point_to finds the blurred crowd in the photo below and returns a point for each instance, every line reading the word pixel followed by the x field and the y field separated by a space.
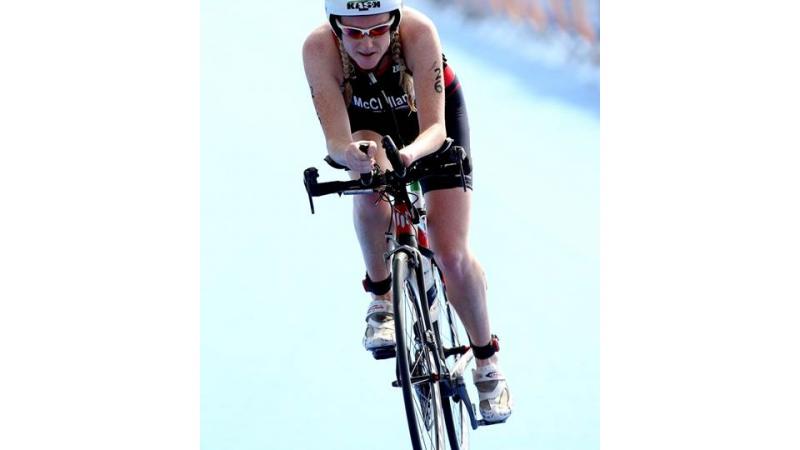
pixel 573 24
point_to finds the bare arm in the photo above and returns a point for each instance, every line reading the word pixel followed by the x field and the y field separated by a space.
pixel 325 90
pixel 423 53
pixel 324 74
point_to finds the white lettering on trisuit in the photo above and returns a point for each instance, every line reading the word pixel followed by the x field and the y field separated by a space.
pixel 396 102
pixel 373 103
pixel 376 104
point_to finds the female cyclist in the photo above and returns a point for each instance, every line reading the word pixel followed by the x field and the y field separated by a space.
pixel 366 47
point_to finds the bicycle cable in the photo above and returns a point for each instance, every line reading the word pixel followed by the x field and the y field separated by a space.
pixel 374 83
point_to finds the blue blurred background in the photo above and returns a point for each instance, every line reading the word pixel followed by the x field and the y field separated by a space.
pixel 282 310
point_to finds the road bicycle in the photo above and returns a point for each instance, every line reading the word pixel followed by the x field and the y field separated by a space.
pixel 431 351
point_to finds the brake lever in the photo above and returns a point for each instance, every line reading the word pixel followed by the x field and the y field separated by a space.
pixel 461 156
pixel 366 178
pixel 393 155
pixel 310 176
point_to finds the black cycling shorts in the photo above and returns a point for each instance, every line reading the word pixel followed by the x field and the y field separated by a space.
pixel 457 124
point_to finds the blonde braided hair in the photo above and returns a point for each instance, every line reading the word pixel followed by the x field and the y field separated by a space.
pixel 349 73
pixel 406 80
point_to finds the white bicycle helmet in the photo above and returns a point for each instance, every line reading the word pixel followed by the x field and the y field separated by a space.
pixel 339 8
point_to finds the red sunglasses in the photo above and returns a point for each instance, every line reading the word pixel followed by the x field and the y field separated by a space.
pixel 360 33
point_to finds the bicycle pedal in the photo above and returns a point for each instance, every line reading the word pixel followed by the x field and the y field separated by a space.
pixel 384 353
pixel 483 422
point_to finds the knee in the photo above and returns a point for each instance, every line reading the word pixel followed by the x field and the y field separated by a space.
pixel 453 261
pixel 368 209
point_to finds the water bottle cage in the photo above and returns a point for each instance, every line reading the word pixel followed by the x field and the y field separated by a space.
pixel 488 350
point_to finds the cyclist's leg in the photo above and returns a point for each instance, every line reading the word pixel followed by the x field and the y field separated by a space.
pixel 448 224
pixel 448 227
pixel 371 218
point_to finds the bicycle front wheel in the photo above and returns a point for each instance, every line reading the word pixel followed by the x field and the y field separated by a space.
pixel 415 361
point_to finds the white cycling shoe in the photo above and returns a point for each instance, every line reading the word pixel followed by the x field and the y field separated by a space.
pixel 379 336
pixel 495 397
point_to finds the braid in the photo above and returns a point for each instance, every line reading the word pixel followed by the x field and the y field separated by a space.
pixel 406 80
pixel 349 73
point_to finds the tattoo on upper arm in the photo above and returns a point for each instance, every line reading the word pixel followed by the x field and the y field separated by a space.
pixel 315 105
pixel 437 84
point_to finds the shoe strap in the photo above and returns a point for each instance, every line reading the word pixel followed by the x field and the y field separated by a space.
pixel 378 308
pixel 488 374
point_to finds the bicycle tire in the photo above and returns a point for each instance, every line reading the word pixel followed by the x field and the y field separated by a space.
pixel 415 360
pixel 451 335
